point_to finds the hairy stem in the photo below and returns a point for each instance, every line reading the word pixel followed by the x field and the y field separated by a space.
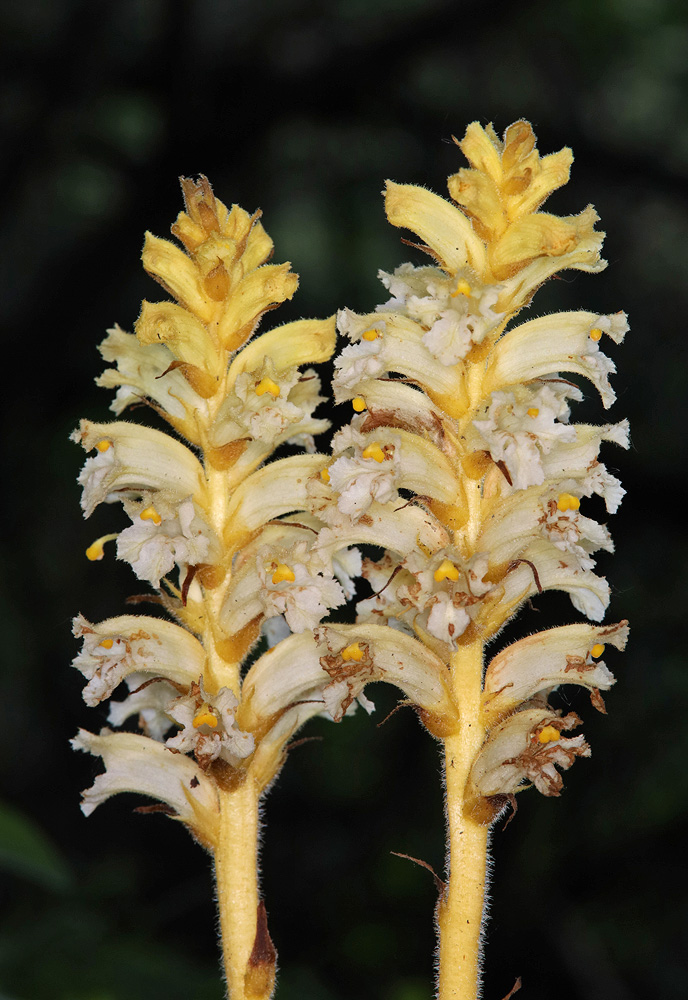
pixel 460 913
pixel 236 879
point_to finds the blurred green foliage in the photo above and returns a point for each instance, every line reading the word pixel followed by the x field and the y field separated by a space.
pixel 304 108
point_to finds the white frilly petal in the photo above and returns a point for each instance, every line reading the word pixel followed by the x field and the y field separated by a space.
pixel 513 754
pixel 134 644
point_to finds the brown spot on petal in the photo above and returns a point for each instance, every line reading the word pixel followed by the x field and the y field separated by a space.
pixel 578 664
pixel 598 701
pixel 159 807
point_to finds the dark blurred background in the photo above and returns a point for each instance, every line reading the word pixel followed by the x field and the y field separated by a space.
pixel 303 108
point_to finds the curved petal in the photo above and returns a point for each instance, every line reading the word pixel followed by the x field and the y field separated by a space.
pixel 438 223
pixel 304 664
pixel 139 372
pixel 306 341
pixel 399 348
pixel 274 490
pixel 547 659
pixel 542 567
pixel 177 274
pixel 117 647
pixel 260 290
pixel 185 336
pixel 139 764
pixel 400 529
pixel 132 458
pixel 560 342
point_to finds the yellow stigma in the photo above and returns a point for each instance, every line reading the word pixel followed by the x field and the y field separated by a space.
pixel 567 501
pixel 374 451
pixel 267 385
pixel 371 334
pixel 358 403
pixel 324 475
pixel 352 652
pixel 446 571
pixel 205 718
pixel 107 643
pixel 150 514
pixel 95 552
pixel 462 288
pixel 597 650
pixel 595 333
pixel 548 735
pixel 283 572
pixel 104 445
pixel 532 411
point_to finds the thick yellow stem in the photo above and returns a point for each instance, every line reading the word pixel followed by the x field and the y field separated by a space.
pixel 236 877
pixel 460 911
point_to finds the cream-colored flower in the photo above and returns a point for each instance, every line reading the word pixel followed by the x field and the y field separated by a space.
pixel 521 425
pixel 527 747
pixel 131 459
pixel 208 726
pixel 165 533
pixel 149 700
pixel 118 647
pixel 291 587
pixel 143 371
pixel 570 654
pixel 440 593
pixel 455 311
pixel 139 764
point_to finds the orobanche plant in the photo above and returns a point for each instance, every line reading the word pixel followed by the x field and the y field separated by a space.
pixel 460 467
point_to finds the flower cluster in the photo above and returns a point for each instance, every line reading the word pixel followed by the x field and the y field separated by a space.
pixel 462 420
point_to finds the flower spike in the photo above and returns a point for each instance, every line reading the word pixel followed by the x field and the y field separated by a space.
pixel 469 413
pixel 201 533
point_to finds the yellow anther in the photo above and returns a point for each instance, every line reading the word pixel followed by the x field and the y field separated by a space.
pixel 95 552
pixel 374 451
pixel 352 652
pixel 325 475
pixel 282 573
pixel 567 501
pixel 533 411
pixel 372 334
pixel 205 718
pixel 446 571
pixel 597 650
pixel 462 288
pixel 267 385
pixel 595 333
pixel 107 643
pixel 104 445
pixel 358 403
pixel 548 735
pixel 150 514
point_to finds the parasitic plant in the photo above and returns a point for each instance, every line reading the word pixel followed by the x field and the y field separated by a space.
pixel 206 533
pixel 460 467
pixel 461 463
